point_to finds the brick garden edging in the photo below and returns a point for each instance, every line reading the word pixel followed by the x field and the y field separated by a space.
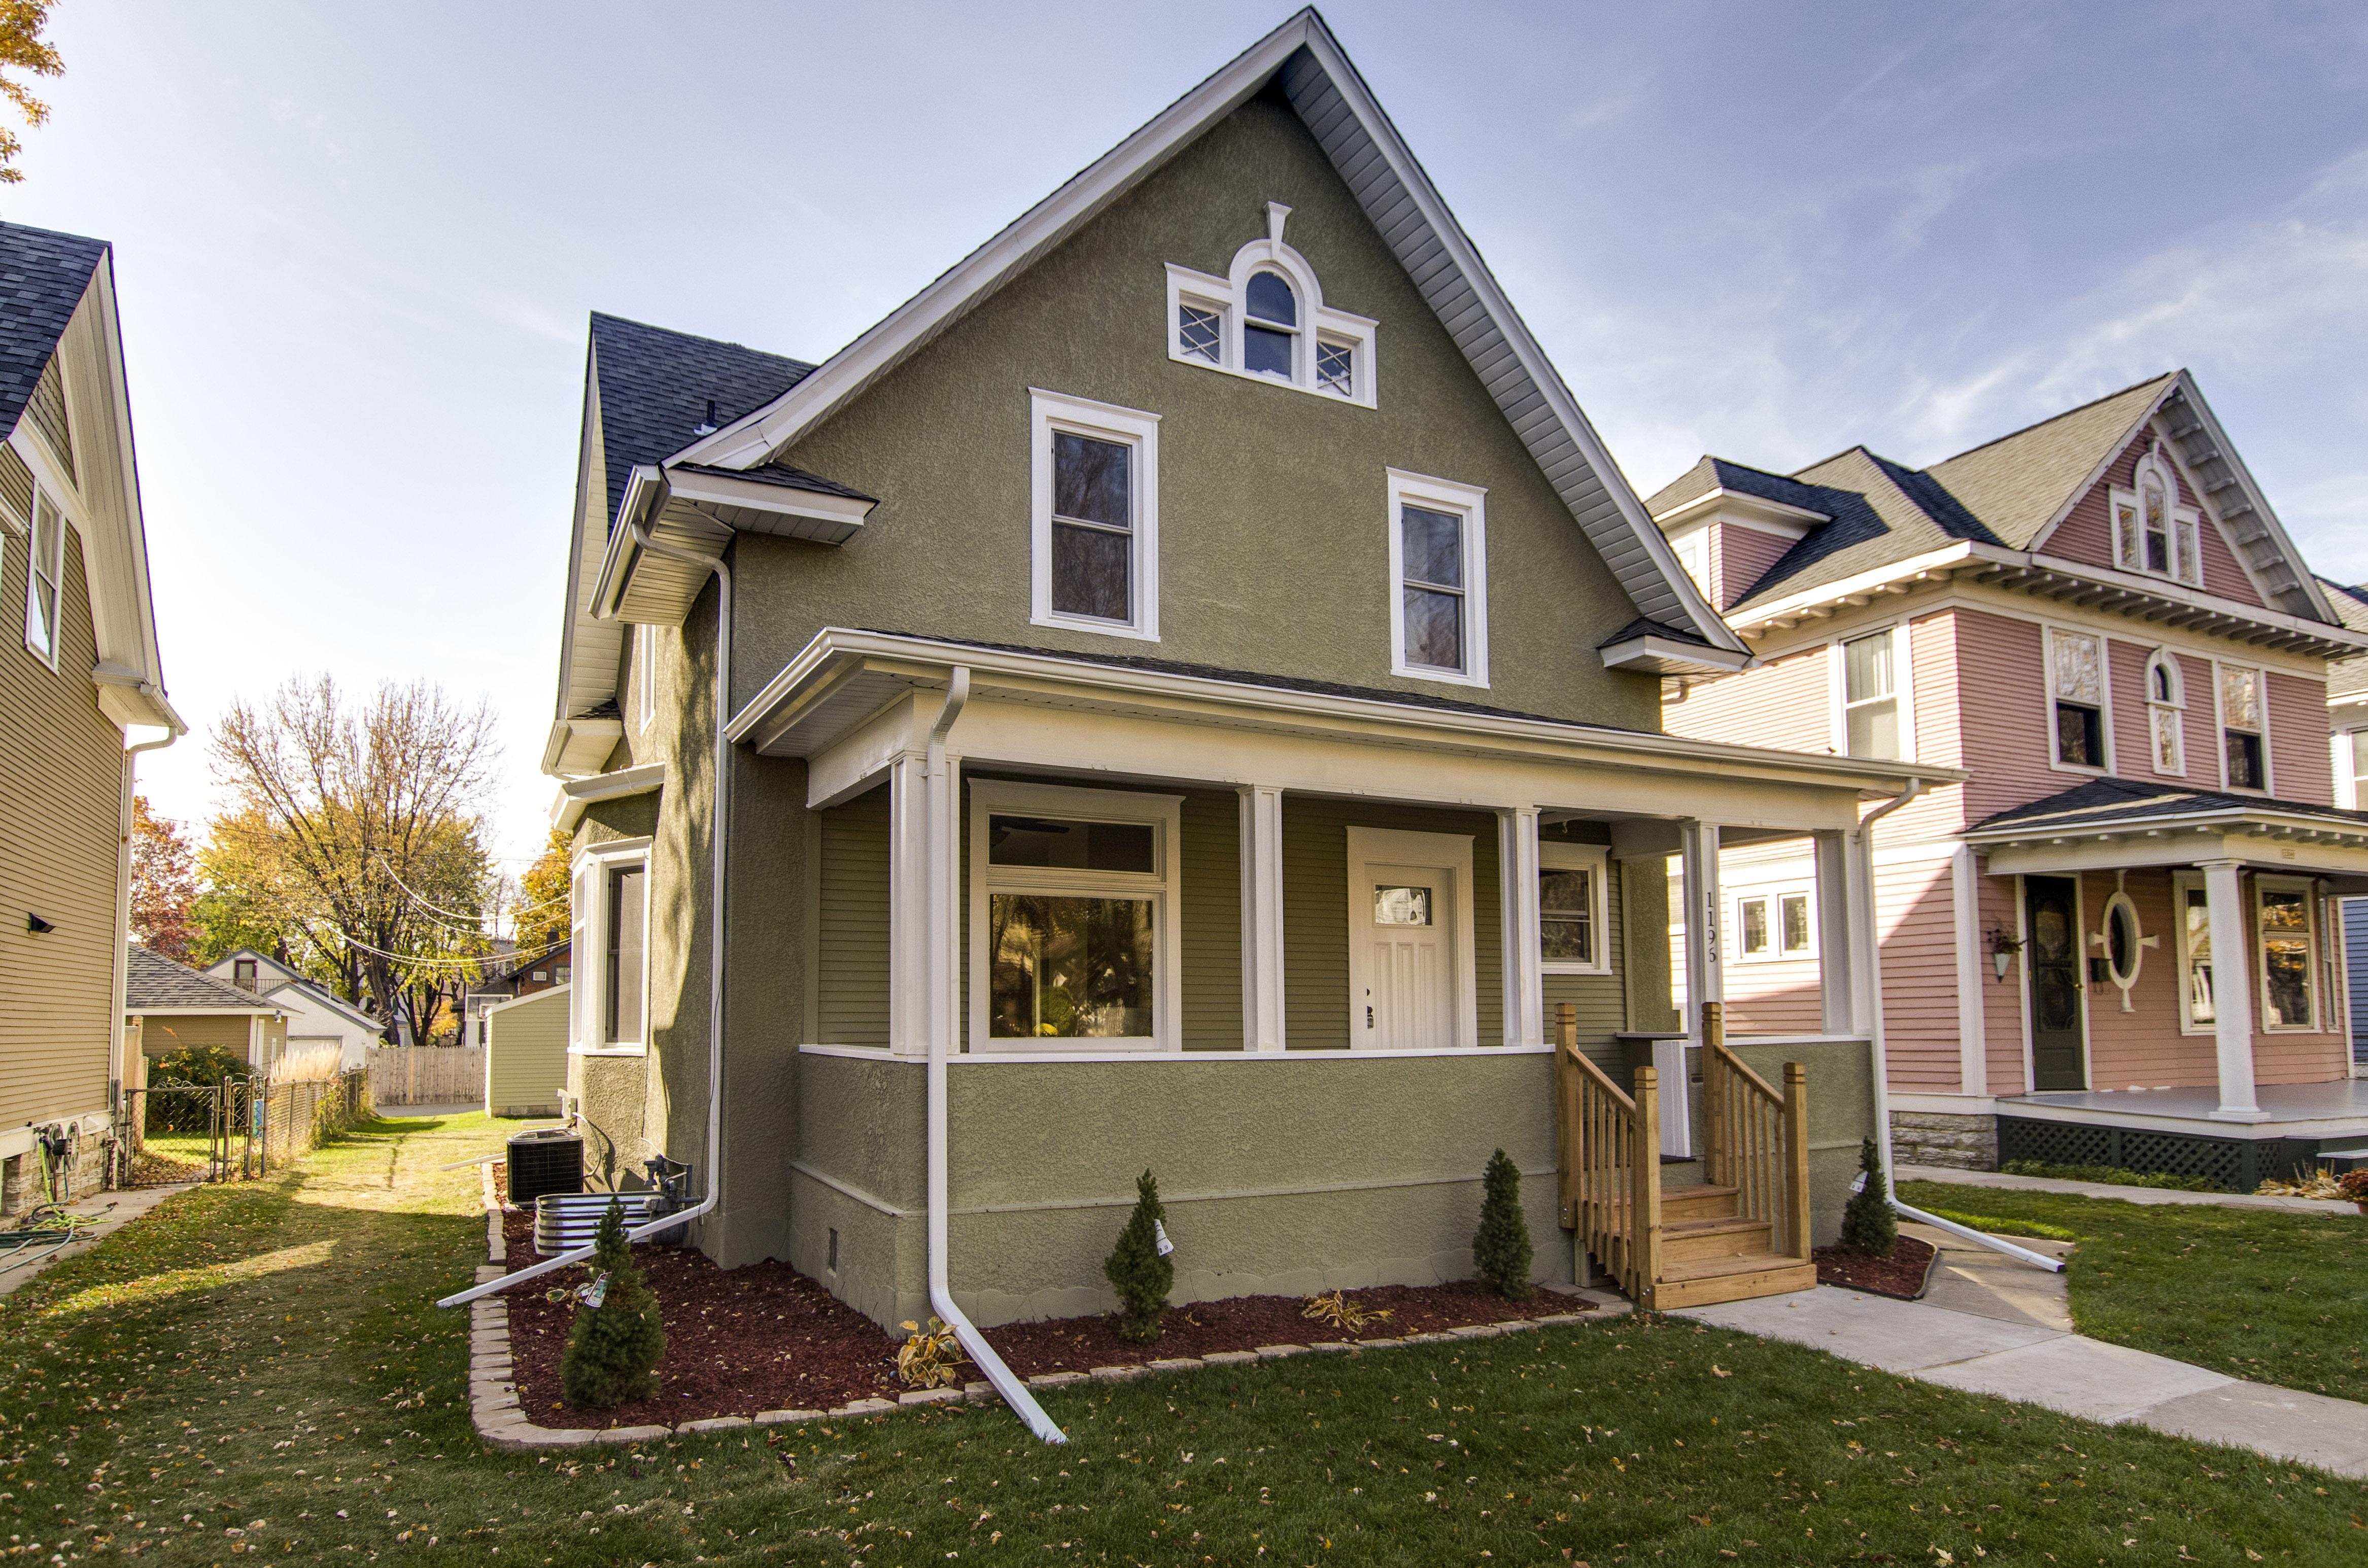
pixel 502 1422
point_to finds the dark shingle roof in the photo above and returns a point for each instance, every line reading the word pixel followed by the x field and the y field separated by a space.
pixel 1645 626
pixel 42 278
pixel 2102 801
pixel 656 385
pixel 152 979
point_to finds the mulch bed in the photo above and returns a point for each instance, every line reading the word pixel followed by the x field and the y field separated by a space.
pixel 766 1338
pixel 1901 1276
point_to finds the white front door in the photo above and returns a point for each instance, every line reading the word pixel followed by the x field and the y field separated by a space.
pixel 1410 973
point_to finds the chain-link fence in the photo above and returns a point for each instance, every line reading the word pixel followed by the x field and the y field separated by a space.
pixel 236 1129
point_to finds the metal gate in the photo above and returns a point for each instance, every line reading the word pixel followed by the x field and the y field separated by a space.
pixel 176 1133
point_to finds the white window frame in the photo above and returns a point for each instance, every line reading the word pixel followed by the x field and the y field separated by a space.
pixel 2126 523
pixel 1595 859
pixel 1774 895
pixel 1227 299
pixel 1469 502
pixel 588 875
pixel 52 574
pixel 2171 711
pixel 2104 703
pixel 1162 886
pixel 1903 684
pixel 1052 410
pixel 2264 881
pixel 2350 765
pixel 2220 726
pixel 1692 551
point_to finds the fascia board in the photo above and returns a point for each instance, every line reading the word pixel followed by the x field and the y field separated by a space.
pixel 757 496
pixel 1667 655
pixel 578 794
pixel 2227 819
pixel 2307 579
pixel 265 1007
pixel 1790 521
pixel 1616 748
pixel 1864 581
pixel 616 564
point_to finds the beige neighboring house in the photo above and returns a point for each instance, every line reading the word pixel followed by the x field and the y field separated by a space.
pixel 526 1053
pixel 169 1006
pixel 83 675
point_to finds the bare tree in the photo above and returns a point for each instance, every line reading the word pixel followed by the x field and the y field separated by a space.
pixel 357 828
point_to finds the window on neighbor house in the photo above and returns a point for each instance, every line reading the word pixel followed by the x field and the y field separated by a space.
pixel 1095 517
pixel 2358 771
pixel 1074 901
pixel 1271 326
pixel 2167 712
pixel 1870 696
pixel 625 916
pixel 1693 555
pixel 2197 1012
pixel 2289 954
pixel 45 570
pixel 1572 908
pixel 2152 532
pixel 2076 690
pixel 1438 557
pixel 1772 925
pixel 242 974
pixel 2244 759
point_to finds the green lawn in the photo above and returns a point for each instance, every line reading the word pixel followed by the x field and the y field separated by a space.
pixel 265 1358
pixel 2278 1297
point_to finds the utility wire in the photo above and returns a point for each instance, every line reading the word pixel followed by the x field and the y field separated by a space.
pixel 455 914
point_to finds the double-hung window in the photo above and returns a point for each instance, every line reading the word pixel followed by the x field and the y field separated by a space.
pixel 2243 733
pixel 1438 578
pixel 2152 532
pixel 2076 689
pixel 2289 942
pixel 1773 925
pixel 1074 940
pixel 2167 712
pixel 1870 690
pixel 1094 534
pixel 1573 938
pixel 610 929
pixel 45 572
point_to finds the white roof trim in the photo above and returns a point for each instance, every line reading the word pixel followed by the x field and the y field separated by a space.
pixel 578 794
pixel 1343 115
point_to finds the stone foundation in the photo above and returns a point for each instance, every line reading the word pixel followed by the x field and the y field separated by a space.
pixel 24 1181
pixel 1935 1138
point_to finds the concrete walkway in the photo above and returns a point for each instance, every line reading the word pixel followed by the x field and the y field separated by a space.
pixel 2332 1206
pixel 102 1214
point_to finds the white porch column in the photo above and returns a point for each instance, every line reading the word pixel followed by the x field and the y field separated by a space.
pixel 908 906
pixel 2232 990
pixel 1517 877
pixel 1835 996
pixel 1262 1018
pixel 1705 981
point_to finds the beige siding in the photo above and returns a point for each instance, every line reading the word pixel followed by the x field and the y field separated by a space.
pixel 16 486
pixel 163 1034
pixel 1786 702
pixel 526 1054
pixel 1316 912
pixel 851 985
pixel 61 773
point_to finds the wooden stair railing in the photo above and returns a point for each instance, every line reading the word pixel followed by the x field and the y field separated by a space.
pixel 1742 1233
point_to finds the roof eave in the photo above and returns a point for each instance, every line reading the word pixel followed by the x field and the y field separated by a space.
pixel 1669 656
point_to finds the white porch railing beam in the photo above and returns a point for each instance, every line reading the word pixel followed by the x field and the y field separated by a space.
pixel 1263 950
pixel 2232 990
pixel 1517 866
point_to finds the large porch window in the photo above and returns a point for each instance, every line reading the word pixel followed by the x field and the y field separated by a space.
pixel 2196 1012
pixel 2289 942
pixel 1074 914
pixel 1571 900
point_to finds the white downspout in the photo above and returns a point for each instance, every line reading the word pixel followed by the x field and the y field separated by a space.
pixel 117 1067
pixel 944 838
pixel 1864 875
pixel 716 842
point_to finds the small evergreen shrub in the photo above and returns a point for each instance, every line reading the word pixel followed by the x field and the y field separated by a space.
pixel 613 1350
pixel 1137 1270
pixel 1869 1225
pixel 1500 1249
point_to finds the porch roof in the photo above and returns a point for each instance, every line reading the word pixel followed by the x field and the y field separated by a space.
pixel 2111 823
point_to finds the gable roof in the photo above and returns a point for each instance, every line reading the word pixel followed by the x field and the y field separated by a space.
pixel 44 275
pixel 152 982
pixel 656 389
pixel 1315 77
pixel 2008 493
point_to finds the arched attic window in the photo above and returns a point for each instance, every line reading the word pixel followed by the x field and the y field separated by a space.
pixel 2167 712
pixel 2152 532
pixel 1267 319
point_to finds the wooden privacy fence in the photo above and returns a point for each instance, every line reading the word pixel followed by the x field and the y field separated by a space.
pixel 427 1075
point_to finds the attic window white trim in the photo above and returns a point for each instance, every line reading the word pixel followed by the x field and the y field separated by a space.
pixel 2153 534
pixel 1201 306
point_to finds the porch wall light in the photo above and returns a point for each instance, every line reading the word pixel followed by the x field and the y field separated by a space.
pixel 2002 951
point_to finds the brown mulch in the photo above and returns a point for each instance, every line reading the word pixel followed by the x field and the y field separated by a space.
pixel 766 1338
pixel 1902 1275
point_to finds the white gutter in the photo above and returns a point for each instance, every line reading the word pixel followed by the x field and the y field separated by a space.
pixel 716 843
pixel 940 806
pixel 1863 873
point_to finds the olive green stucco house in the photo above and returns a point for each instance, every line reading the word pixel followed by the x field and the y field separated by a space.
pixel 1183 692
pixel 81 677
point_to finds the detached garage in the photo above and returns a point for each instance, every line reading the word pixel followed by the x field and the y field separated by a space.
pixel 526 1053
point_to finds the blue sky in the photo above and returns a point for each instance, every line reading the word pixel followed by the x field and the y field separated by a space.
pixel 356 245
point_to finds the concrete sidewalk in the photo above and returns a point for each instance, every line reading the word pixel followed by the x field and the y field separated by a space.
pixel 2035 1361
pixel 2143 1195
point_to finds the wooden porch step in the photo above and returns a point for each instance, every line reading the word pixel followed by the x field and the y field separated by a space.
pixel 1688 1241
pixel 1698 1200
pixel 1701 1282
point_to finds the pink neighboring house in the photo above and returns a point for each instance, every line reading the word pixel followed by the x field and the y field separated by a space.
pixel 2100 619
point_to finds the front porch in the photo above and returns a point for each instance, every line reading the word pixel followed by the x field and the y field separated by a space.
pixel 2179 1131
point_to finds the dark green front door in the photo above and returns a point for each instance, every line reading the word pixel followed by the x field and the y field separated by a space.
pixel 2052 919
